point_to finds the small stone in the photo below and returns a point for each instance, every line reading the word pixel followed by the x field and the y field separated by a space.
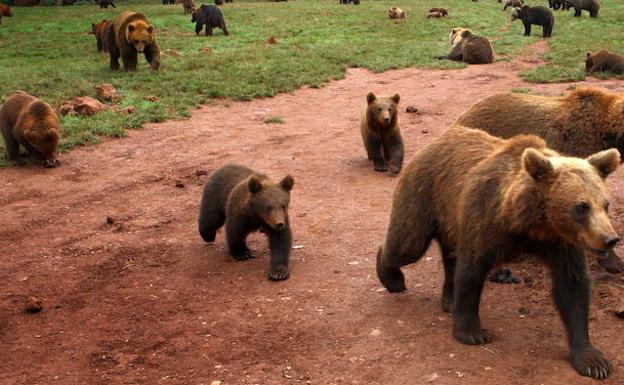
pixel 82 105
pixel 179 184
pixel 524 311
pixel 107 93
pixel 374 333
pixel 432 377
pixel 171 52
pixel 110 220
pixel 200 172
pixel 411 109
pixel 151 98
pixel 215 383
pixel 271 40
pixel 206 50
pixel 33 305
pixel 424 131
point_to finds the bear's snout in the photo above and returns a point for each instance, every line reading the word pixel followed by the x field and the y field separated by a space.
pixel 280 225
pixel 387 120
pixel 612 240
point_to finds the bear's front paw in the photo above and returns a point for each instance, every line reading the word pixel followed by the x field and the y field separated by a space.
pixel 476 337
pixel 243 255
pixel 50 163
pixel 591 362
pixel 611 263
pixel 381 167
pixel 278 274
pixel 395 170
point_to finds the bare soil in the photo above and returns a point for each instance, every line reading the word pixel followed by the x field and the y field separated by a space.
pixel 132 295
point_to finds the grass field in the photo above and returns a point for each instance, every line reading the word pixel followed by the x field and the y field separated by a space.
pixel 48 52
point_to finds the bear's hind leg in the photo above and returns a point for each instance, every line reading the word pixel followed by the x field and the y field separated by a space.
pixel 224 28
pixel 280 243
pixel 209 222
pixel 470 277
pixel 571 292
pixel 11 144
pixel 450 261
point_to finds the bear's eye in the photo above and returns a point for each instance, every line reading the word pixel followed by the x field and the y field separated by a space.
pixel 580 210
pixel 380 109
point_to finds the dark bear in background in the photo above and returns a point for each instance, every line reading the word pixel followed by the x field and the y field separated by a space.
pixel 534 15
pixel 211 16
pixel 188 6
pixel 31 123
pixel 4 11
pixel 556 4
pixel 246 201
pixel 379 127
pixel 106 3
pixel 68 2
pixel 604 61
pixel 591 6
pixel 166 2
pixel 218 2
pixel 488 201
pixel 355 2
pixel 127 35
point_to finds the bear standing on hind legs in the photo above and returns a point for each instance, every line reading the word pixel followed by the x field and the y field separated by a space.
pixel 31 123
pixel 381 134
pixel 129 34
pixel 246 201
pixel 487 201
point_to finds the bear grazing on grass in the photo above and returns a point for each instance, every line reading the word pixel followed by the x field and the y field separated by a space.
pixel 247 201
pixel 381 134
pixel 534 15
pixel 31 123
pixel 4 11
pixel 591 6
pixel 211 16
pixel 604 61
pixel 129 34
pixel 469 48
pixel 586 121
pixel 488 200
pixel 98 30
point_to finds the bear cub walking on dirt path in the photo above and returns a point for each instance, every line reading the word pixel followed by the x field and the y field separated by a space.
pixel 488 201
pixel 30 122
pixel 534 15
pixel 129 34
pixel 246 201
pixel 381 134
pixel 211 16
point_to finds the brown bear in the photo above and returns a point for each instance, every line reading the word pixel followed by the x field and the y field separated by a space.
pixel 512 3
pixel 443 11
pixel 128 34
pixel 604 61
pixel 469 48
pixel 98 29
pixel 434 15
pixel 381 134
pixel 580 124
pixel 189 6
pixel 591 6
pixel 30 122
pixel 396 13
pixel 246 201
pixel 487 201
pixel 534 16
pixel 4 11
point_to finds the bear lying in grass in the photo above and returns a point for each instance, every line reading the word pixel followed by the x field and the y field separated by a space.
pixel 246 201
pixel 487 201
pixel 604 61
pixel 469 48
pixel 31 123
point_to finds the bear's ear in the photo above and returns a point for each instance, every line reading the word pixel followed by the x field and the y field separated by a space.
pixel 537 165
pixel 131 27
pixel 605 162
pixel 287 183
pixel 254 184
pixel 370 97
pixel 589 54
pixel 396 98
pixel 150 29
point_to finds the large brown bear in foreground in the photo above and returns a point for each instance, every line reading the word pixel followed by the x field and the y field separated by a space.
pixel 246 201
pixel 380 131
pixel 30 122
pixel 129 34
pixel 586 121
pixel 486 201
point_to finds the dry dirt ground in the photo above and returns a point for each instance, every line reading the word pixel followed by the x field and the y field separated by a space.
pixel 132 295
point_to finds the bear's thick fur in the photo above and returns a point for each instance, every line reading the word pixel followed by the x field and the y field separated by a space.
pixel 556 4
pixel 486 200
pixel 604 61
pixel 534 15
pixel 396 13
pixel 380 132
pixel 189 6
pixel 98 30
pixel 443 11
pixel 591 6
pixel 4 11
pixel 246 201
pixel 512 4
pixel 30 122
pixel 469 48
pixel 211 16
pixel 129 34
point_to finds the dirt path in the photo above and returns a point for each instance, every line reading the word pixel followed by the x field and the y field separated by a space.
pixel 140 299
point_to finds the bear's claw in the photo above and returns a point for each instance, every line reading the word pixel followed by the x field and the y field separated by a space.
pixel 278 275
pixel 592 363
pixel 473 338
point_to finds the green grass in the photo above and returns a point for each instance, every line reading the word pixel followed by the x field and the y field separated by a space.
pixel 47 51
pixel 274 120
